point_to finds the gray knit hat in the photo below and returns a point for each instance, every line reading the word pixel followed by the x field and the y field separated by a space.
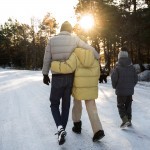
pixel 123 52
pixel 66 26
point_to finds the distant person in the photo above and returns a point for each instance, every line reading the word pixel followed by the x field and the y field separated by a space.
pixel 85 87
pixel 60 47
pixel 103 76
pixel 124 79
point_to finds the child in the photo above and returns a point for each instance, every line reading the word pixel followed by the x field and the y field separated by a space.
pixel 124 79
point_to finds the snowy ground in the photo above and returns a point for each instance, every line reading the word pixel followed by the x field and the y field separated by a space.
pixel 26 122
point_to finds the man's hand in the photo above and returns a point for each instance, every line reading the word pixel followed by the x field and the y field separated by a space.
pixel 46 79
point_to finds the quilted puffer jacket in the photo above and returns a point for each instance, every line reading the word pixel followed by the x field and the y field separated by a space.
pixel 86 73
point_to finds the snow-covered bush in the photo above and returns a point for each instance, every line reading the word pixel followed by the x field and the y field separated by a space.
pixel 138 69
pixel 144 76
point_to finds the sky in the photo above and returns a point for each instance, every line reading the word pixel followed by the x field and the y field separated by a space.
pixel 26 122
pixel 24 10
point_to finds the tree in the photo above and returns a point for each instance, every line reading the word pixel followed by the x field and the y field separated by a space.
pixel 117 24
pixel 23 45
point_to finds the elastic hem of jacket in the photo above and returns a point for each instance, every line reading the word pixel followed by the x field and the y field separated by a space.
pixel 68 74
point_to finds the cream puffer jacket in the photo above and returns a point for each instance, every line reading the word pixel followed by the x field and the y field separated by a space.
pixel 87 72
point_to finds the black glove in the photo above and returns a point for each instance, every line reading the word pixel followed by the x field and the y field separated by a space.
pixel 46 79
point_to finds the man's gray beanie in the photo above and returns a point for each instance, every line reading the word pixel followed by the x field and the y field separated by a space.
pixel 123 52
pixel 66 26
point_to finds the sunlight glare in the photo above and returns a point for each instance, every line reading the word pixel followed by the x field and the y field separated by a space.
pixel 87 22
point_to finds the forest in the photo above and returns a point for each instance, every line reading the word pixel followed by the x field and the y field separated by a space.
pixel 117 24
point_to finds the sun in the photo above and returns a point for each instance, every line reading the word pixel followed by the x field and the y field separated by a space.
pixel 87 22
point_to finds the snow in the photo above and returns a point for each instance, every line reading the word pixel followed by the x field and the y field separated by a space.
pixel 26 122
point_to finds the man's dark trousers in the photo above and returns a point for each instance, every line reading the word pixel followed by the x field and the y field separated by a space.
pixel 61 88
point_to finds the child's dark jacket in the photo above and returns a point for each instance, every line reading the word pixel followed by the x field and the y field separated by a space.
pixel 124 77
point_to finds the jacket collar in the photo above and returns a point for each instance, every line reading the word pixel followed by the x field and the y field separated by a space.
pixel 64 33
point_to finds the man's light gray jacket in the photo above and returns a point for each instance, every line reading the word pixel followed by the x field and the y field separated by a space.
pixel 60 48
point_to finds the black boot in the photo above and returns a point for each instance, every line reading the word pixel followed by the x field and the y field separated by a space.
pixel 77 127
pixel 130 123
pixel 98 135
pixel 125 122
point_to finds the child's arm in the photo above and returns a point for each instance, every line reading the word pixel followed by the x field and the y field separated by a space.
pixel 114 78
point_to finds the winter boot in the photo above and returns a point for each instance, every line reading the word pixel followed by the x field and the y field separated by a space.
pixel 77 127
pixel 98 135
pixel 61 136
pixel 130 123
pixel 125 122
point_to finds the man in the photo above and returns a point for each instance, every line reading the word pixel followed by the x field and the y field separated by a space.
pixel 124 79
pixel 60 48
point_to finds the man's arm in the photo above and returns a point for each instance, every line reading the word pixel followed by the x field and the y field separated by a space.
pixel 46 64
pixel 47 59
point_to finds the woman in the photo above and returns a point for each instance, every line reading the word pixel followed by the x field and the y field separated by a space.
pixel 85 87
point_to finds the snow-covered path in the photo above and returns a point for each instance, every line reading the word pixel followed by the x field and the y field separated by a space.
pixel 26 122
